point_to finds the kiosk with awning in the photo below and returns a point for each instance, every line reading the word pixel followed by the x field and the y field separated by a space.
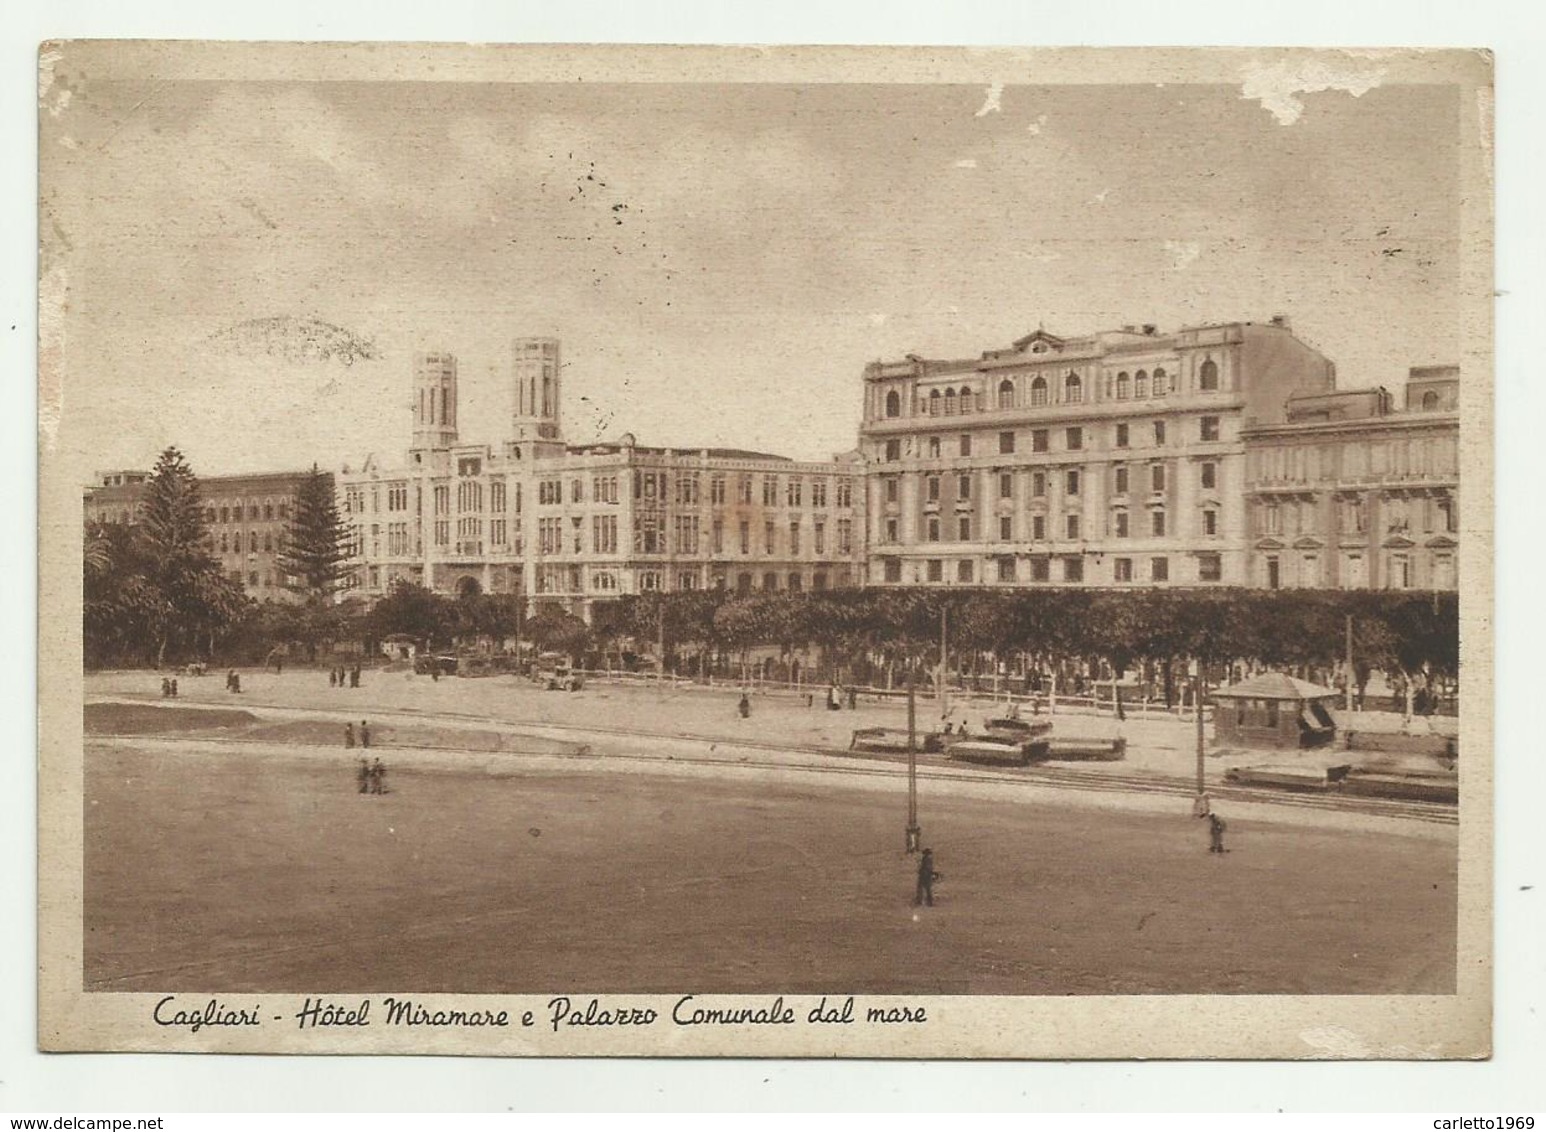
pixel 1273 709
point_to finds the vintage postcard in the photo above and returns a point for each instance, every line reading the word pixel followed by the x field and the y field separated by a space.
pixel 906 553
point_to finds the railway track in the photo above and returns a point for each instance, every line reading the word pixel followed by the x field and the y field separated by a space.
pixel 930 768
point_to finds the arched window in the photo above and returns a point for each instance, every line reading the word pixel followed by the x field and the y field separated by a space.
pixel 1208 376
pixel 934 403
pixel 967 400
pixel 1039 391
pixel 1430 400
pixel 1073 388
pixel 1141 384
pixel 893 404
pixel 1006 394
pixel 1161 383
pixel 950 402
pixel 1124 386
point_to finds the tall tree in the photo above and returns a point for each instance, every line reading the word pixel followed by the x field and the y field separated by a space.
pixel 316 548
pixel 197 601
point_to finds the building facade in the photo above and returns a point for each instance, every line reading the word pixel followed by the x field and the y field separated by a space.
pixel 247 517
pixel 1114 459
pixel 1352 492
pixel 577 525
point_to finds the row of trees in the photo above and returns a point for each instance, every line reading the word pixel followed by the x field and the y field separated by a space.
pixel 154 592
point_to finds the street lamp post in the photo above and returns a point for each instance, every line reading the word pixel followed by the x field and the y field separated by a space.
pixel 914 834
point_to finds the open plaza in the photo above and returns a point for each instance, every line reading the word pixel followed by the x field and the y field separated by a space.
pixel 645 838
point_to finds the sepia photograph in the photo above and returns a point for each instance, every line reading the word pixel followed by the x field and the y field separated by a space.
pixel 755 551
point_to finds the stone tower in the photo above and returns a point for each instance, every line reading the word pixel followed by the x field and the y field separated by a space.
pixel 535 372
pixel 434 400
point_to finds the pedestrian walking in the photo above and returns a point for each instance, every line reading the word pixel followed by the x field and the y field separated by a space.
pixel 354 677
pixel 332 677
pixel 745 706
pixel 364 733
pixel 378 777
pixel 926 878
pixel 174 687
pixel 1216 827
pixel 853 698
pixel 349 736
pixel 363 776
pixel 166 687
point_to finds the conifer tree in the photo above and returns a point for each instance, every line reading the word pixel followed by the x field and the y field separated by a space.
pixel 316 548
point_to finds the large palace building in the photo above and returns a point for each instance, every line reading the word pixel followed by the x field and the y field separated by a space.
pixel 1352 493
pixel 247 516
pixel 1130 458
pixel 580 524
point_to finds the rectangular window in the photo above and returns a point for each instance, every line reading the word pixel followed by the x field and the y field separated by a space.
pixel 1038 483
pixel 934 448
pixel 964 528
pixel 1157 477
pixel 1210 428
pixel 845 493
pixel 1120 486
pixel 1041 569
pixel 1210 522
pixel 893 569
pixel 769 491
pixel 1075 437
pixel 1159 432
pixel 793 490
pixel 1071 524
pixel 767 537
pixel 1122 570
pixel 1210 568
pixel 818 493
pixel 1210 476
pixel 931 488
pixel 1006 569
pixel 1159 569
pixel 845 536
pixel 891 530
pixel 964 487
pixel 1006 443
pixel 1005 528
pixel 1006 485
pixel 1073 569
pixel 936 570
pixel 933 528
pixel 717 489
pixel 794 537
pixel 1119 524
pixel 743 489
pixel 1071 481
pixel 819 537
pixel 1039 440
pixel 746 537
pixel 966 444
pixel 1122 436
pixel 891 489
pixel 964 571
pixel 717 533
pixel 1157 523
pixel 1038 527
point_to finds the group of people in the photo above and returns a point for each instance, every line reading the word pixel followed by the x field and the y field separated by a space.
pixel 233 682
pixel 342 677
pixel 364 734
pixel 371 777
pixel 169 686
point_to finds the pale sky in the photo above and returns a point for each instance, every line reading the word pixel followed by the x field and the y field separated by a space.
pixel 720 261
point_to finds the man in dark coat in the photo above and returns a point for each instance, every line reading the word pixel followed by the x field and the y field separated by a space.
pixel 349 736
pixel 1216 827
pixel 926 878
pixel 378 777
pixel 364 733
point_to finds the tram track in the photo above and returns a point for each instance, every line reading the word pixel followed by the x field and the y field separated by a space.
pixel 870 764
